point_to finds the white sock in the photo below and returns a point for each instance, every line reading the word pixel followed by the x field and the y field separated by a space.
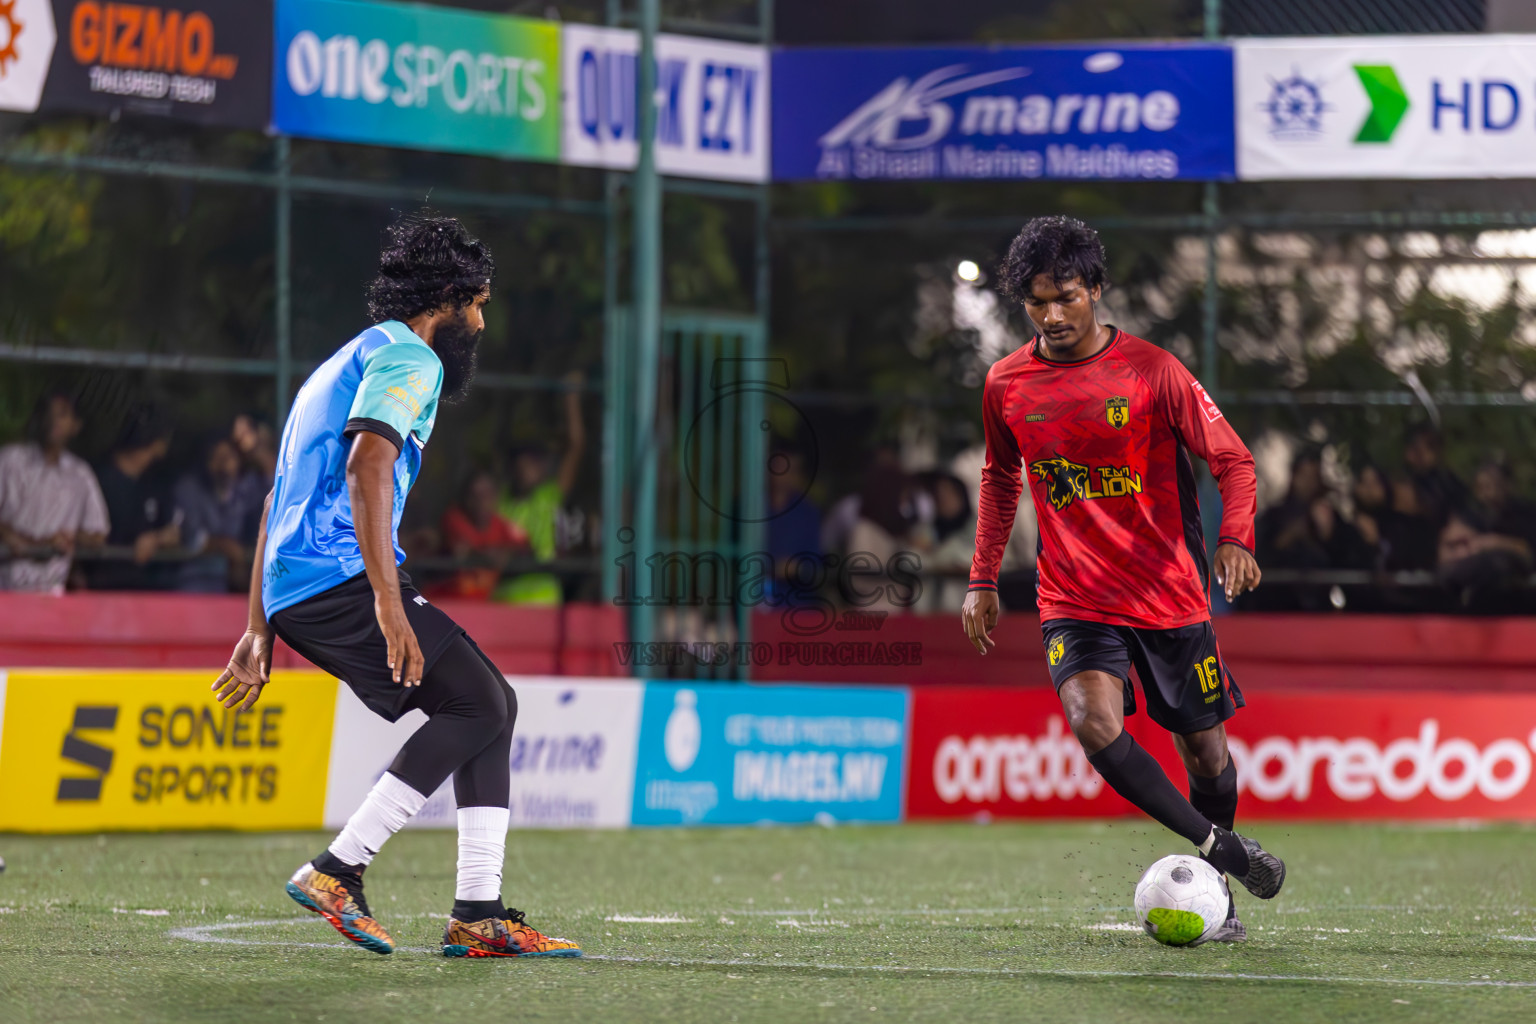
pixel 1210 841
pixel 390 804
pixel 482 848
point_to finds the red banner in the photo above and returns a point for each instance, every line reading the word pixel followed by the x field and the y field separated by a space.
pixel 1008 753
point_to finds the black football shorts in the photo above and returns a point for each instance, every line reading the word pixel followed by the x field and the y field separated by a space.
pixel 336 631
pixel 1186 685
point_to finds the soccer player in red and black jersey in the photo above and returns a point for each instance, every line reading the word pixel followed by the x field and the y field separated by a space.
pixel 1101 426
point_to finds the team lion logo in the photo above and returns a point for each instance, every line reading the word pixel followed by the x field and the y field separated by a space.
pixel 1067 480
pixel 1058 650
pixel 1118 411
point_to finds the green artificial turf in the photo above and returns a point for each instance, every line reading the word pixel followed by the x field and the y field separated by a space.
pixel 918 922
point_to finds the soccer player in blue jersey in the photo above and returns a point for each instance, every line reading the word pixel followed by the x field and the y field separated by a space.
pixel 327 580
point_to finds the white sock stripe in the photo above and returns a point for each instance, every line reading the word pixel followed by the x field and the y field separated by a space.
pixel 389 805
pixel 482 848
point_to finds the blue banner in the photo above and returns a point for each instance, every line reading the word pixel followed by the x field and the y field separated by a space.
pixel 1128 113
pixel 736 754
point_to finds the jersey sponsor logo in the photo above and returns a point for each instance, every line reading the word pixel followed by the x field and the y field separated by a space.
pixel 1057 650
pixel 1034 417
pixel 405 399
pixel 1207 406
pixel 1068 481
pixel 1118 411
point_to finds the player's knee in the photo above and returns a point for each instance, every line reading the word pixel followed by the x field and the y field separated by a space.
pixel 1094 725
pixel 510 696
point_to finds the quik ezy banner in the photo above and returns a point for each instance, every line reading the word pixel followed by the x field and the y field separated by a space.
pixel 1387 107
pixel 711 103
pixel 1128 113
pixel 206 61
pixel 417 78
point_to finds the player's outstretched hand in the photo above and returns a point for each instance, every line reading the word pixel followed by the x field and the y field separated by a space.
pixel 1236 571
pixel 979 617
pixel 250 668
pixel 405 657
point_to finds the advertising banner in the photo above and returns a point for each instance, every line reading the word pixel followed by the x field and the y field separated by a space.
pixel 572 758
pixel 733 753
pixel 99 749
pixel 1387 107
pixel 711 103
pixel 1008 753
pixel 207 61
pixel 417 77
pixel 1131 113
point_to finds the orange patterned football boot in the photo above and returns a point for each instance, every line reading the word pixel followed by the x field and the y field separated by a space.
pixel 504 936
pixel 342 904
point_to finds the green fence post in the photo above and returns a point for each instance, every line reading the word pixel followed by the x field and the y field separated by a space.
pixel 646 196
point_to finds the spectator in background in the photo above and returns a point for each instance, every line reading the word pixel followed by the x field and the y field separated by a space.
pixel 50 502
pixel 1484 570
pixel 954 542
pixel 1414 538
pixel 1397 540
pixel 257 445
pixel 1305 531
pixel 1504 513
pixel 475 532
pixel 220 503
pixel 794 520
pixel 536 497
pixel 882 532
pixel 140 508
pixel 1440 490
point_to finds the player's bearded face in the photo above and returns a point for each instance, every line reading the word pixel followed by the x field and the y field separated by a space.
pixel 457 346
pixel 1064 314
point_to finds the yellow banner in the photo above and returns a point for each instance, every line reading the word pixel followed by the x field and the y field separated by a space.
pixel 87 749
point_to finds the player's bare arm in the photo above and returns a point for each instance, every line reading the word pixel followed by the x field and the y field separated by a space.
pixel 371 486
pixel 250 666
pixel 978 616
pixel 1237 572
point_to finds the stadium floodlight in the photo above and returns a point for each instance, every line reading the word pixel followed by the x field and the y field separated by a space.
pixel 968 270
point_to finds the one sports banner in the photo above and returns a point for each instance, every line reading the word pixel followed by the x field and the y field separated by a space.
pixel 711 103
pixel 417 78
pixel 1387 107
pixel 572 757
pixel 206 61
pixel 1392 755
pixel 89 749
pixel 1095 113
pixel 715 753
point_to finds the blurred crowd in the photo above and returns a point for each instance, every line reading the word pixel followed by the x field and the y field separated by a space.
pixel 132 522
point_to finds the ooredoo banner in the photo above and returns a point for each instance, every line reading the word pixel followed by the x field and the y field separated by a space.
pixel 206 61
pixel 572 757
pixel 91 749
pixel 1094 113
pixel 1299 755
pixel 1387 107
pixel 733 753
pixel 417 77
pixel 711 103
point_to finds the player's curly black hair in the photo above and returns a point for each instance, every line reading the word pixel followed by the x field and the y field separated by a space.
pixel 429 262
pixel 1062 248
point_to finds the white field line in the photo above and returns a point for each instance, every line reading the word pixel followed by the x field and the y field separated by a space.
pixel 648 919
pixel 206 933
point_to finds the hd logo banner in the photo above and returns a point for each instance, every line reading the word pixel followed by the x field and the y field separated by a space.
pixel 733 753
pixel 1129 113
pixel 1387 107
pixel 417 78
pixel 711 104
pixel 100 749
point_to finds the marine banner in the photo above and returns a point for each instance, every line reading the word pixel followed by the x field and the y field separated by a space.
pixel 417 77
pixel 1008 753
pixel 91 749
pixel 572 757
pixel 1387 107
pixel 1006 112
pixel 207 61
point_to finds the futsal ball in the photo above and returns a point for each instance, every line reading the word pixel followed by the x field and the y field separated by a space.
pixel 1181 900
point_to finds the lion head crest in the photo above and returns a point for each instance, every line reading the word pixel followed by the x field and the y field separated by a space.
pixel 1067 480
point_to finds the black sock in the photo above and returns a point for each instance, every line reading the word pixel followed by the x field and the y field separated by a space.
pixel 1136 775
pixel 1216 798
pixel 328 863
pixel 478 910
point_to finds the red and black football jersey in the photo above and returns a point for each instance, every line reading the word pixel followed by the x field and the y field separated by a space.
pixel 1105 446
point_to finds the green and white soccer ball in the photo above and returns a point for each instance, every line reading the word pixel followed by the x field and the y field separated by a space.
pixel 1181 900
